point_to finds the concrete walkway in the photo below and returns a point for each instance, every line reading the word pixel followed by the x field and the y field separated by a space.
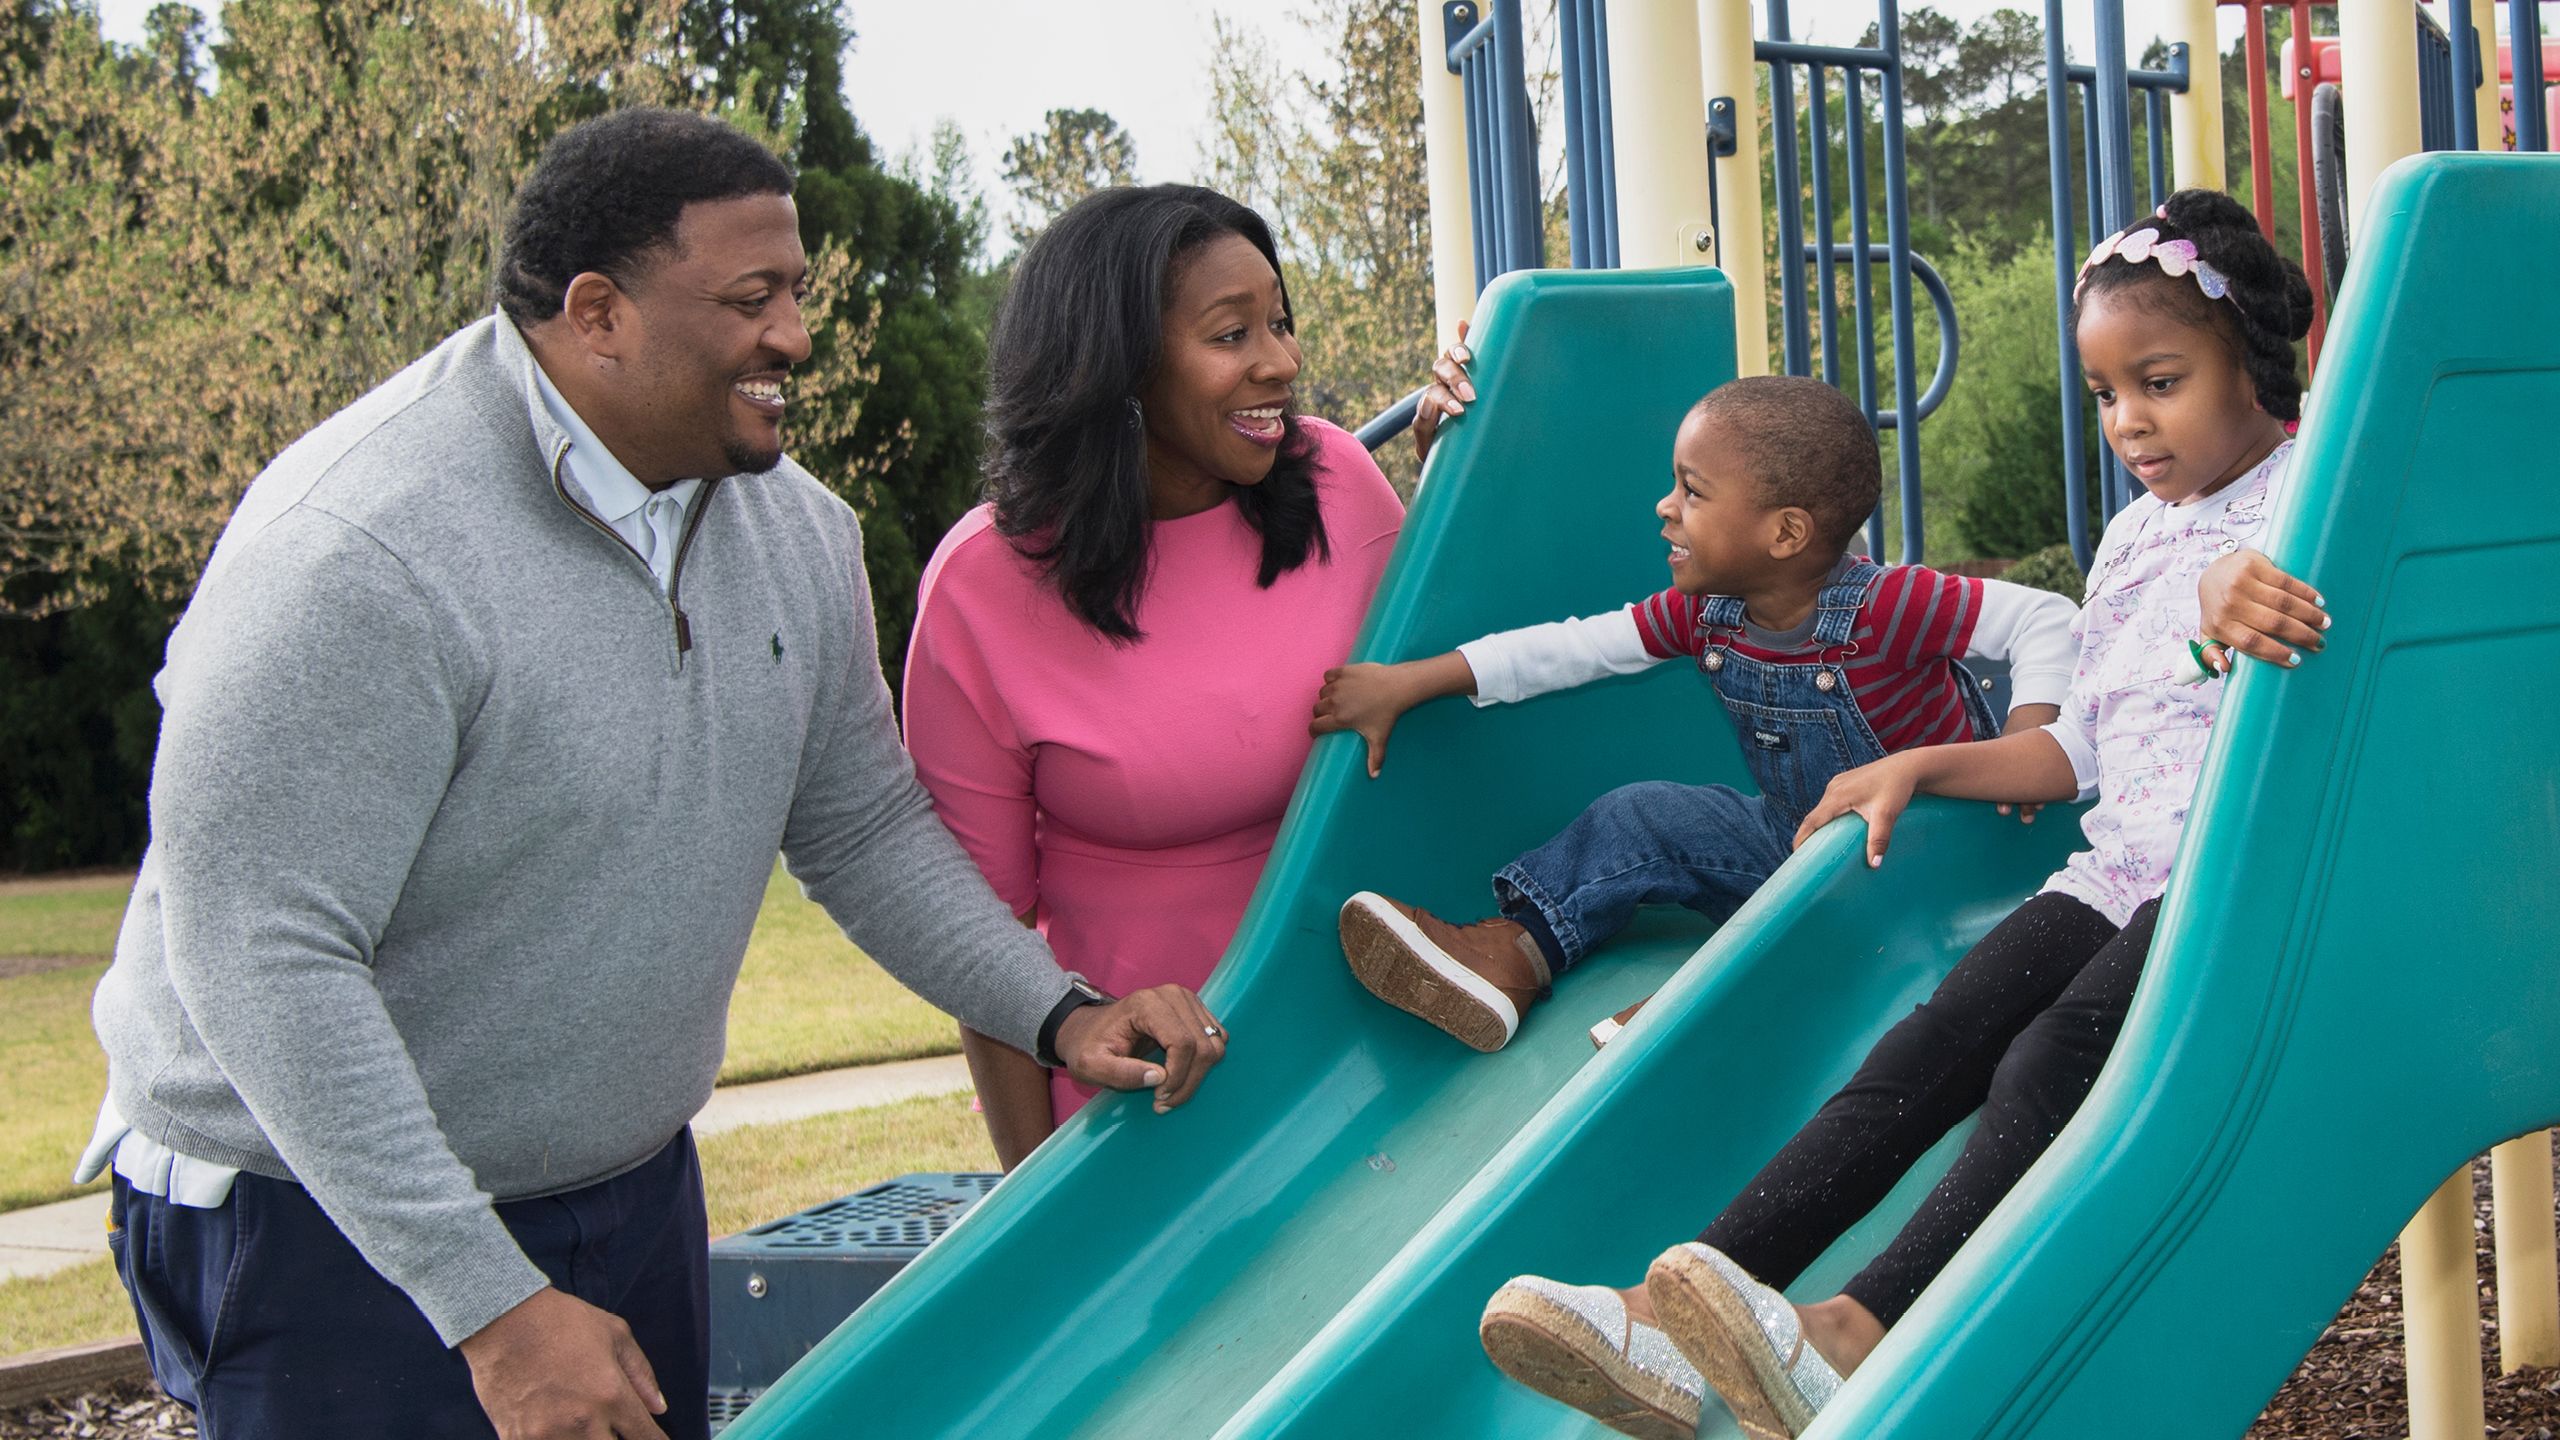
pixel 55 1237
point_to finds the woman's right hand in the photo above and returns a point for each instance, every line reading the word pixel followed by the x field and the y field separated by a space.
pixel 2249 606
pixel 1880 792
pixel 1450 394
pixel 1368 698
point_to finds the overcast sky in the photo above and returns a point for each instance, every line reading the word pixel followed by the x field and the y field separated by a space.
pixel 994 66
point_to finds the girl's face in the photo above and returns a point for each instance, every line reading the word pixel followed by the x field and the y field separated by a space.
pixel 2178 409
pixel 1214 405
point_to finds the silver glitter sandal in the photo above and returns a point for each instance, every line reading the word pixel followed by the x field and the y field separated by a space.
pixel 1577 1344
pixel 1744 1338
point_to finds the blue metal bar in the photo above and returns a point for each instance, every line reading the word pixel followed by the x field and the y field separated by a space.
pixel 2465 60
pixel 1603 123
pixel 1580 205
pixel 2155 129
pixel 1827 294
pixel 1897 227
pixel 1943 378
pixel 1391 422
pixel 2173 79
pixel 1519 157
pixel 1797 346
pixel 2066 260
pixel 2115 146
pixel 1862 293
pixel 1777 48
pixel 2435 85
pixel 2524 45
pixel 1480 174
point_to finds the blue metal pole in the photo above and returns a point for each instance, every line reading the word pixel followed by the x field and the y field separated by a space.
pixel 1897 230
pixel 2155 128
pixel 2524 42
pixel 1480 143
pixel 1796 343
pixel 1603 117
pixel 2465 62
pixel 1827 294
pixel 1862 291
pixel 2115 153
pixel 1519 157
pixel 1580 235
pixel 2066 261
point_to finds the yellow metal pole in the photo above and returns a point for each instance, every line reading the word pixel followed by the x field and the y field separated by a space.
pixel 1727 68
pixel 2378 53
pixel 2440 1295
pixel 2484 15
pixel 2528 1277
pixel 1657 127
pixel 2195 118
pixel 1444 145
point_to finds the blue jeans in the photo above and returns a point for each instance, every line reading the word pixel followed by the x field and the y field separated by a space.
pixel 1706 847
pixel 262 1317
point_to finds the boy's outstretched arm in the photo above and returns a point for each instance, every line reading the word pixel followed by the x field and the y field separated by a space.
pixel 2031 766
pixel 2246 604
pixel 1370 698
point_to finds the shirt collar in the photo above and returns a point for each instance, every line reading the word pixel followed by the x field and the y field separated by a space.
pixel 611 489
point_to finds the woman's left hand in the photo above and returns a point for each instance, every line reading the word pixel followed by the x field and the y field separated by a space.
pixel 2250 607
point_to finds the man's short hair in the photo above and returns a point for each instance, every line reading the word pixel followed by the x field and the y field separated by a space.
pixel 607 192
pixel 1803 443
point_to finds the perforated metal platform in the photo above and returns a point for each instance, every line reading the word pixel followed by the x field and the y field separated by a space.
pixel 778 1289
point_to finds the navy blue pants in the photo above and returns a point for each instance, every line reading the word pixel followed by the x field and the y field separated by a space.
pixel 260 1315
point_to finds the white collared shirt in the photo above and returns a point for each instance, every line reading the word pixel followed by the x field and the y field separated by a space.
pixel 651 522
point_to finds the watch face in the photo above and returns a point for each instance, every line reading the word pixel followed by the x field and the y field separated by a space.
pixel 1090 991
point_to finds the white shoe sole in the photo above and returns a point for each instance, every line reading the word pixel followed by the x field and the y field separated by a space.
pixel 1713 1325
pixel 1557 1353
pixel 1401 966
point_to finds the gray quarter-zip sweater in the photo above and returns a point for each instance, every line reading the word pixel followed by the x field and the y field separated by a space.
pixel 459 824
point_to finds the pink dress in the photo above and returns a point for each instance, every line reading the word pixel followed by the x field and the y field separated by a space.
pixel 1132 792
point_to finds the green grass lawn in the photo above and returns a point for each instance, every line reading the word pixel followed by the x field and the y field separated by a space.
pixel 63 917
pixel 749 1176
pixel 806 1000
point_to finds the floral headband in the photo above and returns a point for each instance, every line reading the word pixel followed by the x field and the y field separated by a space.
pixel 2174 257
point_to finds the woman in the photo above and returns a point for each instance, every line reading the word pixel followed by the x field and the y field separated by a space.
pixel 1115 656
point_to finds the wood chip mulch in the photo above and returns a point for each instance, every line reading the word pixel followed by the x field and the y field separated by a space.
pixel 2353 1386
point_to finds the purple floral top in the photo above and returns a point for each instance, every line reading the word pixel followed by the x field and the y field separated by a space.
pixel 2140 712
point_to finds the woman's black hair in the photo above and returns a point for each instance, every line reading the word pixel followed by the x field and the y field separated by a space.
pixel 2267 306
pixel 1080 333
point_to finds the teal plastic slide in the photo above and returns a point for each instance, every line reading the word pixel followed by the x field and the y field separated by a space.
pixel 2351 990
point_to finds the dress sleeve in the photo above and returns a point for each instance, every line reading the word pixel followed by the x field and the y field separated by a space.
pixel 961 732
pixel 1542 659
pixel 2032 631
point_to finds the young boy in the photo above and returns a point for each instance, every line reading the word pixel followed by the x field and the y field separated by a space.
pixel 1824 661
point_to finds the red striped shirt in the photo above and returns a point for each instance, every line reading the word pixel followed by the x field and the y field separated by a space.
pixel 1914 621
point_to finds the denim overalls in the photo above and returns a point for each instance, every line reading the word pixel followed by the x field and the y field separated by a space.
pixel 1708 847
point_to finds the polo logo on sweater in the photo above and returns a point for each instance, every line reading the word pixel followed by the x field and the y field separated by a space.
pixel 777 647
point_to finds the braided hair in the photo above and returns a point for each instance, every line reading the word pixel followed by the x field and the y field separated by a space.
pixel 2266 308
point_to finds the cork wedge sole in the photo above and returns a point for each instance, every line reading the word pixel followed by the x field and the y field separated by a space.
pixel 1712 1324
pixel 1560 1355
pixel 1391 958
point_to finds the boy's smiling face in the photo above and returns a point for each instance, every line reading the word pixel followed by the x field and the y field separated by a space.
pixel 1723 542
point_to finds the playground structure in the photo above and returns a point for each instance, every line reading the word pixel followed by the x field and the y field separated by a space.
pixel 1303 1250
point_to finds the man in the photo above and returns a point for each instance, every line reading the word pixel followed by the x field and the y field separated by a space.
pixel 496 699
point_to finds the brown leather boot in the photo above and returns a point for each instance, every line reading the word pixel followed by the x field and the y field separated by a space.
pixel 1607 1030
pixel 1474 981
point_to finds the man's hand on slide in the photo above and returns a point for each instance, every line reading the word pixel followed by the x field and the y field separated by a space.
pixel 1100 1044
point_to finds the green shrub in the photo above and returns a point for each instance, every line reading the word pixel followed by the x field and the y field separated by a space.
pixel 2050 568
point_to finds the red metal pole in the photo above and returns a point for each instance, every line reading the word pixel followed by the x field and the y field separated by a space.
pixel 2262 164
pixel 2304 73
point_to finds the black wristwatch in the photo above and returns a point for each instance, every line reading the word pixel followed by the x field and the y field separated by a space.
pixel 1080 993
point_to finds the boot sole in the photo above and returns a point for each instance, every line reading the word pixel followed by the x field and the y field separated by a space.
pixel 1556 1353
pixel 1398 965
pixel 1713 1326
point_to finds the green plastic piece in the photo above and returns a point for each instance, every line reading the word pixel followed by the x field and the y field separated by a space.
pixel 2353 997
pixel 1147 1274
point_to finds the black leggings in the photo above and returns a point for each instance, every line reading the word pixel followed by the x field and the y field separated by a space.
pixel 2017 1030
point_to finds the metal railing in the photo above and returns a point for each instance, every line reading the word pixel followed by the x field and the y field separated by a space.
pixel 1502 140
pixel 2106 90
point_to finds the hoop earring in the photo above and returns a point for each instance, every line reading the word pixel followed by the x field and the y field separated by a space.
pixel 1137 414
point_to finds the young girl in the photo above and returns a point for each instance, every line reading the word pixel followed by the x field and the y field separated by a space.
pixel 2185 322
